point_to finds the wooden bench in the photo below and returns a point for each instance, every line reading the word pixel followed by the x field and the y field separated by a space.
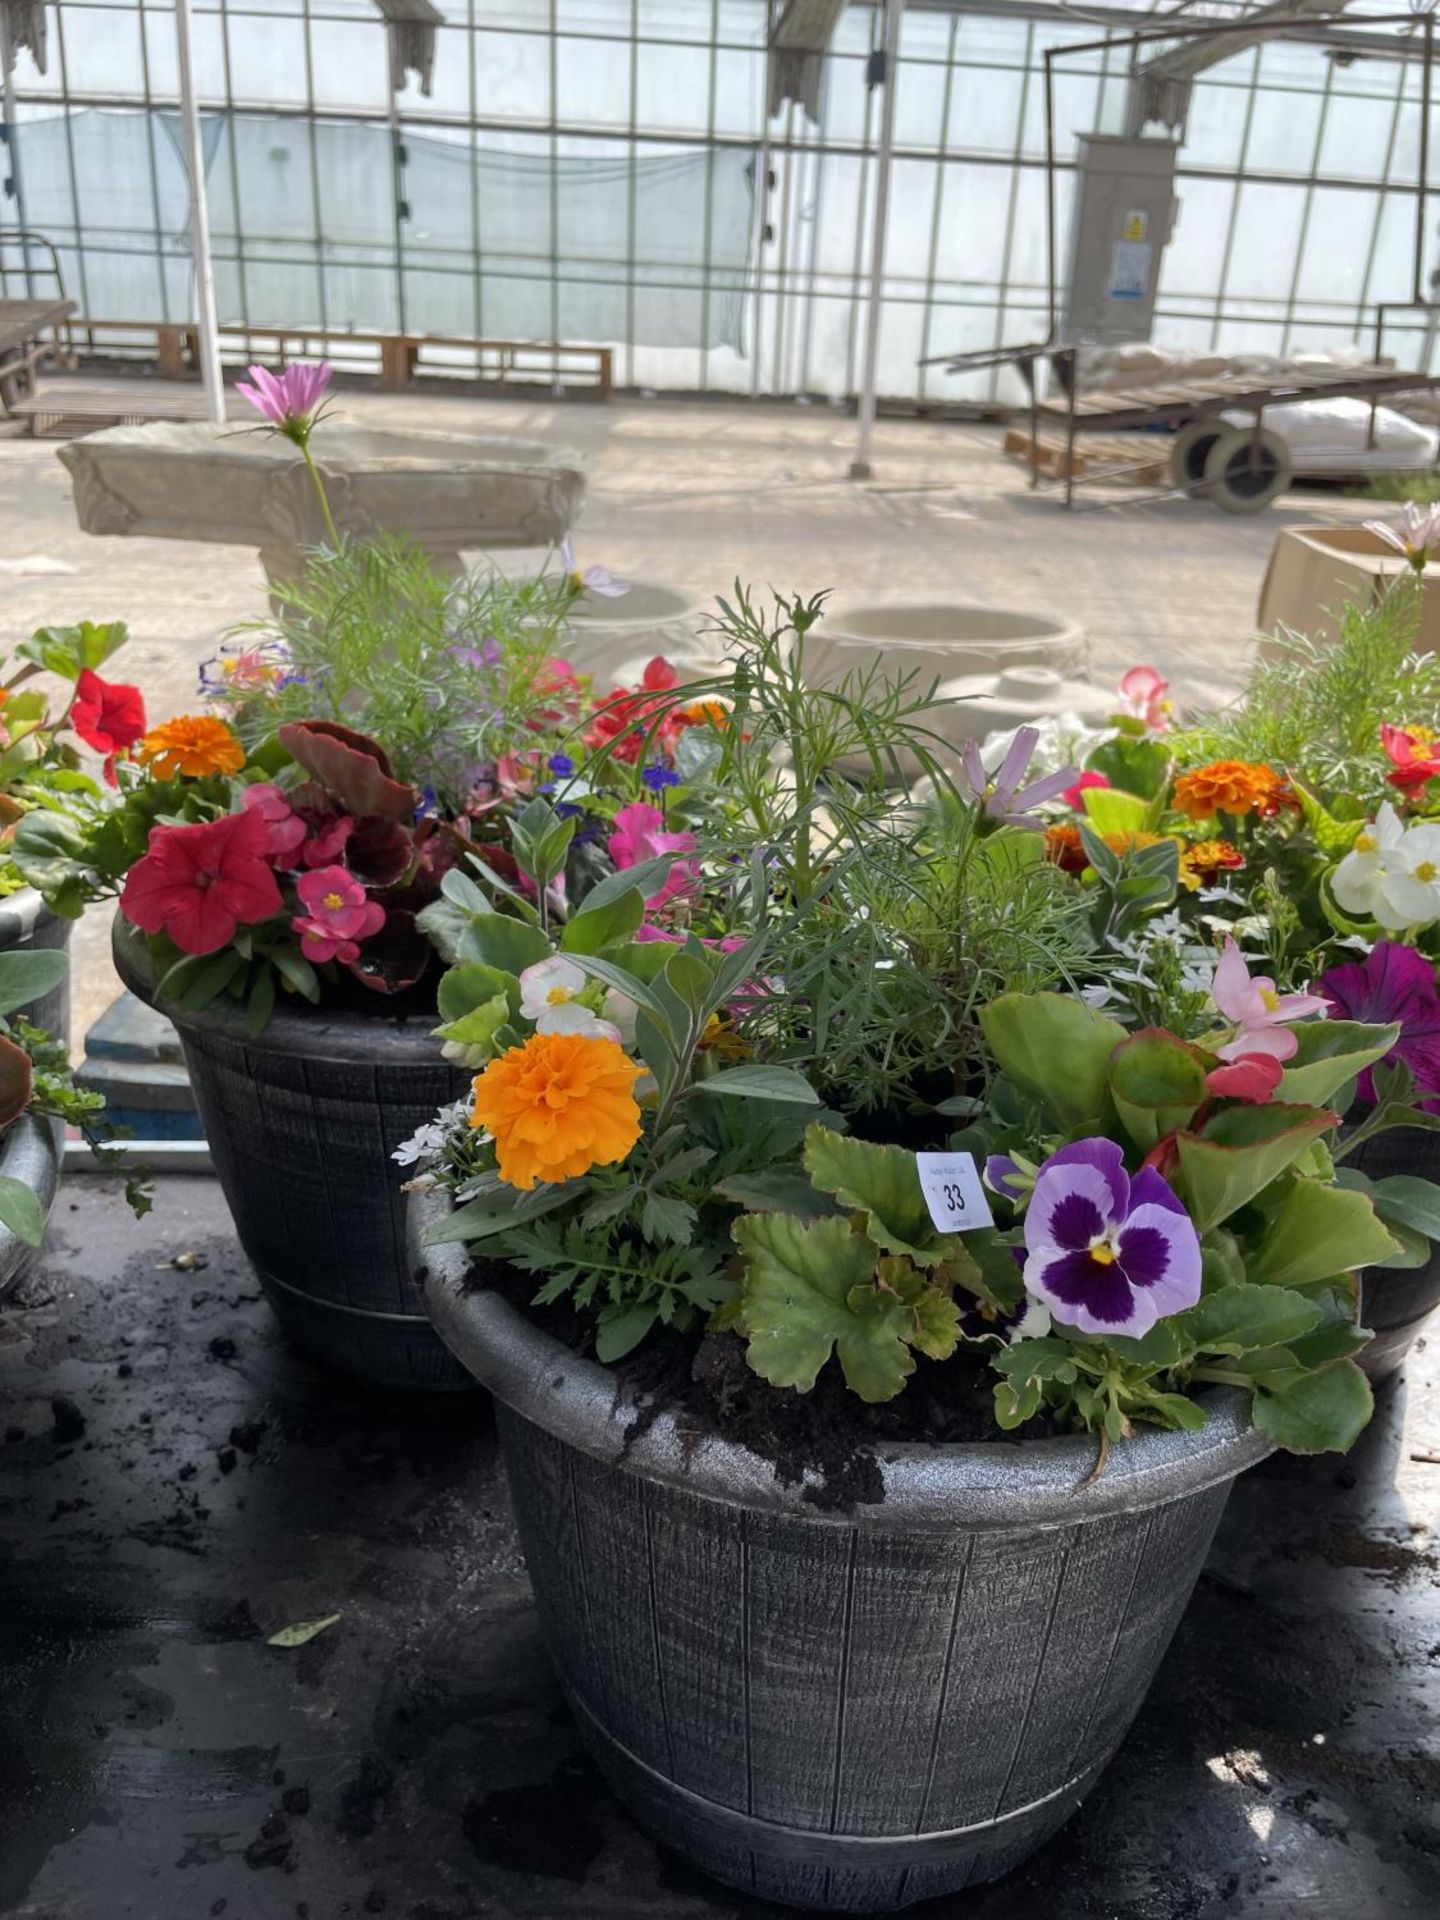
pixel 80 405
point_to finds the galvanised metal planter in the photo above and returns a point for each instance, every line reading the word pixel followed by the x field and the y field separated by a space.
pixel 1395 1302
pixel 301 1123
pixel 29 1153
pixel 855 1711
pixel 26 921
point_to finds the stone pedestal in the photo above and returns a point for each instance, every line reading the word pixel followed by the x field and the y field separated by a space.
pixel 448 492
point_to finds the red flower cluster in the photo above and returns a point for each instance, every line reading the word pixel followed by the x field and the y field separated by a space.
pixel 637 721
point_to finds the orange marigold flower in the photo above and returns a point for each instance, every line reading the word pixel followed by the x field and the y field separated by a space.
pixel 713 713
pixel 559 1105
pixel 1123 843
pixel 1231 786
pixel 1203 861
pixel 194 744
pixel 1063 846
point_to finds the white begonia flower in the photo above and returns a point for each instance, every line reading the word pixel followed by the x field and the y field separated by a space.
pixel 1392 873
pixel 571 1017
pixel 549 983
pixel 550 996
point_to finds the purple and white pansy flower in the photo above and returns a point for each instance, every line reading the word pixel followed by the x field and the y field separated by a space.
pixel 1105 1252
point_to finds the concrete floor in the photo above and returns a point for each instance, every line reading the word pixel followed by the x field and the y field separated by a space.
pixel 698 494
pixel 175 1485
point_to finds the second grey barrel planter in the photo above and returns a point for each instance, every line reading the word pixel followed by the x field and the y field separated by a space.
pixel 29 1153
pixel 1396 1302
pixel 855 1711
pixel 302 1121
pixel 26 921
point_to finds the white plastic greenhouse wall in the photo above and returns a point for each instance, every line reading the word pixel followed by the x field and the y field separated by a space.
pixel 583 171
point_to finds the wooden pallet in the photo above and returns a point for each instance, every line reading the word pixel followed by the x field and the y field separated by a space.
pixel 71 406
pixel 1137 459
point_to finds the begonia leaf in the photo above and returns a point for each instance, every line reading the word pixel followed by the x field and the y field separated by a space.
pixel 1316 1232
pixel 1237 1153
pixel 1157 1083
pixel 1057 1049
pixel 1330 1054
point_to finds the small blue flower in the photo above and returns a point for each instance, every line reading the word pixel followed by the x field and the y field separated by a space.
pixel 562 764
pixel 567 809
pixel 658 778
pixel 429 804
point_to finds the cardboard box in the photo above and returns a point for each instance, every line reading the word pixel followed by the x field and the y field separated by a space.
pixel 1315 571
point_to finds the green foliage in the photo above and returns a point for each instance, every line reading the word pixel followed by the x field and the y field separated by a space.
pixel 817 1288
pixel 1315 707
pixel 1057 1050
pixel 375 637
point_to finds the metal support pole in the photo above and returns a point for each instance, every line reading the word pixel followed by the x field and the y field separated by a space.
pixel 199 222
pixel 865 412
pixel 12 147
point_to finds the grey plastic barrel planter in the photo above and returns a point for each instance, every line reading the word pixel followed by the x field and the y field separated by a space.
pixel 301 1123
pixel 26 921
pixel 1395 1302
pixel 852 1711
pixel 29 1153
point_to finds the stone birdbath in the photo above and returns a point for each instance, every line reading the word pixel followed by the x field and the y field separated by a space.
pixel 238 487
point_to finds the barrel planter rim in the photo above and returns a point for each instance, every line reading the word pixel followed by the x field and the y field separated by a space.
pixel 30 905
pixel 29 1153
pixel 977 1485
pixel 334 1033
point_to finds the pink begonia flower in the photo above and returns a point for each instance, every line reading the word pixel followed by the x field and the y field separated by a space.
pixel 593 579
pixel 1259 1013
pixel 338 915
pixel 1252 1076
pixel 287 399
pixel 287 829
pixel 1143 695
pixel 639 836
pixel 1074 797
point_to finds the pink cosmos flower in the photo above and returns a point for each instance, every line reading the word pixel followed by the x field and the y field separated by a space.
pixel 1143 697
pixel 287 399
pixel 1417 534
pixel 1258 1012
pixel 338 915
pixel 1074 797
pixel 639 836
pixel 287 830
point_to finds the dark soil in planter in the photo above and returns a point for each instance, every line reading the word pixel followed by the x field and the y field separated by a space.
pixel 827 1433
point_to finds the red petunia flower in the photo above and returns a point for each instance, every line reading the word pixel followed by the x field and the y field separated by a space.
pixel 199 884
pixel 107 716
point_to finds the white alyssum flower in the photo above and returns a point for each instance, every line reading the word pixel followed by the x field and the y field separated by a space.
pixel 1392 873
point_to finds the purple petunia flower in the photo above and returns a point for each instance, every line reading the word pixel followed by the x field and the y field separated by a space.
pixel 1004 798
pixel 1106 1253
pixel 1393 982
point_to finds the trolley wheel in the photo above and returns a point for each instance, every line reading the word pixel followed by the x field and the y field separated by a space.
pixel 1192 449
pixel 18 385
pixel 1246 470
